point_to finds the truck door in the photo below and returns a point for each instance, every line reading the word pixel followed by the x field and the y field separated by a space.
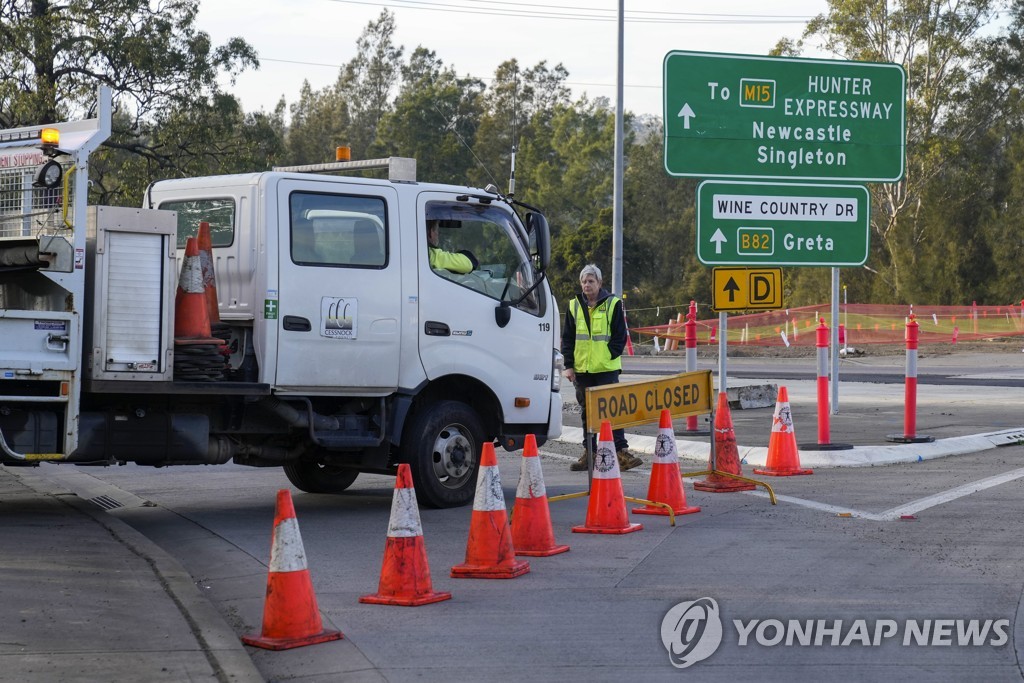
pixel 340 287
pixel 458 333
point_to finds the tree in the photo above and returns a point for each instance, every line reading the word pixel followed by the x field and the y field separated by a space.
pixel 660 270
pixel 518 105
pixel 319 124
pixel 569 171
pixel 434 119
pixel 235 142
pixel 367 83
pixel 53 56
pixel 934 41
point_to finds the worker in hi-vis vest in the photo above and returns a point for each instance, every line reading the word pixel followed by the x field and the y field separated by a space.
pixel 453 261
pixel 593 339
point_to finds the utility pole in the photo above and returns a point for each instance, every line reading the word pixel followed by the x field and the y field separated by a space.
pixel 617 191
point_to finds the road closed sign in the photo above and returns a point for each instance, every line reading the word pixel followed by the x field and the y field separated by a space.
pixel 628 404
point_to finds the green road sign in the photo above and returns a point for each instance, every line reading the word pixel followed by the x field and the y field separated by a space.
pixel 749 117
pixel 747 223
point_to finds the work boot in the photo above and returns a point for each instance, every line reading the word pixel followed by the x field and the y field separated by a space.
pixel 627 460
pixel 581 464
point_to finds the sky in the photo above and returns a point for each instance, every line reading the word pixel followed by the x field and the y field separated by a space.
pixel 311 39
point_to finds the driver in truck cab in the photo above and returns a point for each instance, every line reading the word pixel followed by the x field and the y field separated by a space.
pixel 461 261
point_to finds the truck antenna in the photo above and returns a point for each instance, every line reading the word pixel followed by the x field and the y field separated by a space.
pixel 515 96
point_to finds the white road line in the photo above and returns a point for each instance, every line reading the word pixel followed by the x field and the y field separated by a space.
pixel 910 508
pixel 815 505
pixel 952 494
pixel 913 507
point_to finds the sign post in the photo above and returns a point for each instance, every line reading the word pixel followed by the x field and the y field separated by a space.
pixel 752 117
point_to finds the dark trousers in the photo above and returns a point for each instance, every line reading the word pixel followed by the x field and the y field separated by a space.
pixel 596 379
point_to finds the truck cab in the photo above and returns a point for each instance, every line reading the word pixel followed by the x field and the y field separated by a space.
pixel 328 279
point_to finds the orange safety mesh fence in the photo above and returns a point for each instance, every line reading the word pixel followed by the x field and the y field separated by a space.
pixel 863 324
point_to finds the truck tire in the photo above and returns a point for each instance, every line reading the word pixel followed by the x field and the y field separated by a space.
pixel 316 477
pixel 442 446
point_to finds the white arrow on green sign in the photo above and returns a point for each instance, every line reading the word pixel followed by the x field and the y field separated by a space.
pixel 782 224
pixel 752 117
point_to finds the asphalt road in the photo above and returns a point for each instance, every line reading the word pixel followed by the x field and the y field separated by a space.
pixel 925 548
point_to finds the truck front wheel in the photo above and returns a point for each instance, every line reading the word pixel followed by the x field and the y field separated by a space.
pixel 316 477
pixel 442 446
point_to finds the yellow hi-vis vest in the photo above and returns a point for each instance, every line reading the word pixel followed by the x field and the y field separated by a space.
pixel 591 352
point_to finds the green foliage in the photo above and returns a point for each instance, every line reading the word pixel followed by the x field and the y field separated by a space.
pixel 319 124
pixel 434 119
pixel 171 117
pixel 934 41
pixel 367 84
pixel 948 233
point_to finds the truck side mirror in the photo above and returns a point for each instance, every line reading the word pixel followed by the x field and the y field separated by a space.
pixel 502 314
pixel 537 228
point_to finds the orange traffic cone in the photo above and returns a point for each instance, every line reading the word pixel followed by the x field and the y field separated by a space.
pixel 727 457
pixel 405 576
pixel 489 550
pixel 783 457
pixel 207 269
pixel 532 534
pixel 666 485
pixel 291 617
pixel 191 318
pixel 606 511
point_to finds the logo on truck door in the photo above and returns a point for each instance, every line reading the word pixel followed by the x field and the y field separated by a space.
pixel 338 317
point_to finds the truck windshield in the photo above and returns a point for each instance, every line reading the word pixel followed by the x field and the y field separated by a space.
pixel 492 235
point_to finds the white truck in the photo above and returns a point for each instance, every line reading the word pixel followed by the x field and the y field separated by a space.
pixel 343 350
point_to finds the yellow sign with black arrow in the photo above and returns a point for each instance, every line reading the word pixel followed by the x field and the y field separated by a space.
pixel 743 289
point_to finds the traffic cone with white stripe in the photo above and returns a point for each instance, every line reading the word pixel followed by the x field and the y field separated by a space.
pixel 291 617
pixel 666 485
pixel 405 576
pixel 783 458
pixel 197 354
pixel 205 244
pixel 489 550
pixel 532 534
pixel 191 316
pixel 727 455
pixel 606 510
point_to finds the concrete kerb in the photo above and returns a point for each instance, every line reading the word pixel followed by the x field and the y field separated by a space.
pixel 221 645
pixel 858 456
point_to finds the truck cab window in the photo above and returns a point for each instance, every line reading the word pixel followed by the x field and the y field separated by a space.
pixel 337 230
pixel 502 269
pixel 219 213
